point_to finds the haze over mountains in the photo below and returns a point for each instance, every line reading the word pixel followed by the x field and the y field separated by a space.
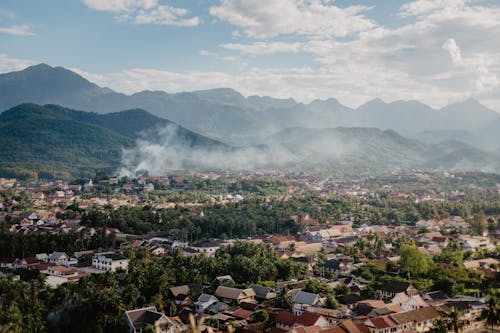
pixel 162 129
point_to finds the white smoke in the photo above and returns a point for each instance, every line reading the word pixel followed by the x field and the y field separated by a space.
pixel 163 150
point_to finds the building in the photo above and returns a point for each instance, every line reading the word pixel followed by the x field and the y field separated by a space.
pixel 139 319
pixel 409 302
pixel 58 258
pixel 204 302
pixel 235 296
pixel 467 242
pixel 109 261
pixel 208 247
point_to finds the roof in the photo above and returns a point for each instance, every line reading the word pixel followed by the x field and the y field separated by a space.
pixel 303 297
pixel 242 314
pixel 262 291
pixel 350 326
pixel 234 293
pixel 308 319
pixel 435 295
pixel 143 317
pixel 336 329
pixel 286 318
pixel 382 322
pixel 113 256
pixel 309 329
pixel 58 256
pixel 180 290
pixel 419 315
pixel 206 298
pixel 350 299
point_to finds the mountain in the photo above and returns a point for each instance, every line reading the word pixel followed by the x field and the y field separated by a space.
pixel 53 141
pixel 226 115
pixel 371 150
pixel 45 84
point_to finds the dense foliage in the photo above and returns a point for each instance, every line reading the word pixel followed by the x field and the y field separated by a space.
pixel 96 303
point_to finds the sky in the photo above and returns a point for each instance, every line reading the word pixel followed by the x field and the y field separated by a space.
pixel 435 51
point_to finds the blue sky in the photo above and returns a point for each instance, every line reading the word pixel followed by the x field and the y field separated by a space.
pixel 436 51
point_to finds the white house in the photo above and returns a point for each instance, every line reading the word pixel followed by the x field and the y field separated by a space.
pixel 204 302
pixel 408 303
pixel 58 258
pixel 109 261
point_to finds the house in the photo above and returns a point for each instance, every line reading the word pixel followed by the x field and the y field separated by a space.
pixel 382 324
pixel 486 263
pixel 263 292
pixel 333 266
pixel 347 302
pixel 204 302
pixel 57 275
pixel 287 321
pixel 321 235
pixel 58 258
pixel 408 303
pixel 470 309
pixel 180 290
pixel 420 320
pixel 235 296
pixel 391 288
pixel 303 299
pixel 364 307
pixel 139 319
pixel 354 327
pixel 44 257
pixel 208 247
pixel 109 261
pixel 468 242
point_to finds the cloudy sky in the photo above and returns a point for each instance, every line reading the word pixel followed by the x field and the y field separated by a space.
pixel 436 51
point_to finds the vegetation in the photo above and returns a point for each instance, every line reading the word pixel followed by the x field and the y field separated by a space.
pixel 96 302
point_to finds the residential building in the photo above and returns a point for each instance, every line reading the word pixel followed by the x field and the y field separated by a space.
pixel 109 261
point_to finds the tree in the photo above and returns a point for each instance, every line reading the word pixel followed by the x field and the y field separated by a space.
pixel 440 325
pixel 492 313
pixel 331 303
pixel 454 322
pixel 413 262
pixel 479 224
pixel 260 316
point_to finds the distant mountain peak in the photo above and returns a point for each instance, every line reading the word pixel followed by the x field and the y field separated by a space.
pixel 40 66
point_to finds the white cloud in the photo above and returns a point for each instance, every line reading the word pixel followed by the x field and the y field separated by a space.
pixel 455 54
pixel 263 47
pixel 424 7
pixel 145 12
pixel 8 64
pixel 261 19
pixel 18 30
pixel 119 6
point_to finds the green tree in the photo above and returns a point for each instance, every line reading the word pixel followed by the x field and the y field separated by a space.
pixel 491 315
pixel 413 262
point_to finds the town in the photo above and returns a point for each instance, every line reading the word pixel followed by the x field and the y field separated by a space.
pixel 258 252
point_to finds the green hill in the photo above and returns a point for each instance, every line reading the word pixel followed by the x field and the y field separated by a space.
pixel 51 141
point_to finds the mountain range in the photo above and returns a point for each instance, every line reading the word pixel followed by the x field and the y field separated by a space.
pixel 43 135
pixel 226 115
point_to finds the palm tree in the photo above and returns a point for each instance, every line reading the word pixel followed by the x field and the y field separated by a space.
pixel 492 313
pixel 440 325
pixel 454 323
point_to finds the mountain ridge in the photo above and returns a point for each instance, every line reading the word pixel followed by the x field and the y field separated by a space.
pixel 226 115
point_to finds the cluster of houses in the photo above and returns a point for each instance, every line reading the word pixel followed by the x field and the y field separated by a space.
pixel 399 308
pixel 59 267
